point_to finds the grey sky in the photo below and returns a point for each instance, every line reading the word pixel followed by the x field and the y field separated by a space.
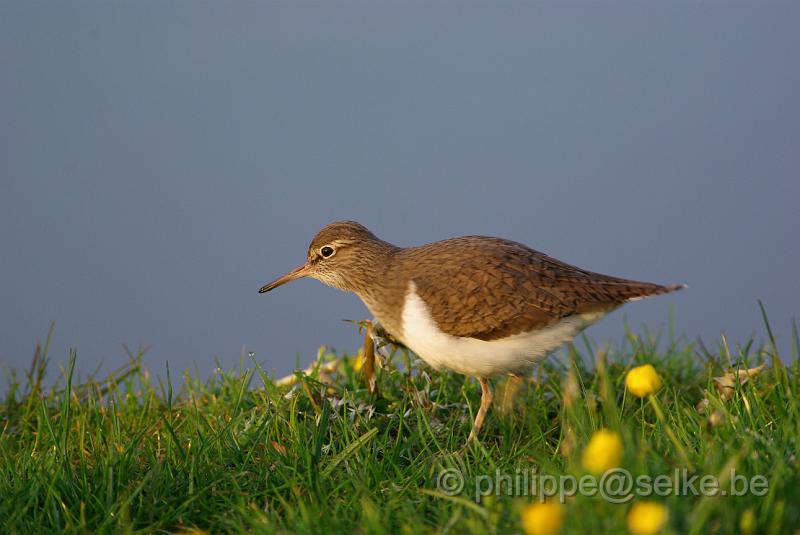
pixel 160 161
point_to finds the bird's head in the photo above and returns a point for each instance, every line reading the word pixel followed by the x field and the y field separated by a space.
pixel 342 255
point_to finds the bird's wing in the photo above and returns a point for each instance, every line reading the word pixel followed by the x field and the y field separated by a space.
pixel 488 288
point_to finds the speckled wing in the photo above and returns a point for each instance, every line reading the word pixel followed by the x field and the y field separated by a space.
pixel 489 288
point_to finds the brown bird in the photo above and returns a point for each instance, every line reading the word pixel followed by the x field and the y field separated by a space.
pixel 476 305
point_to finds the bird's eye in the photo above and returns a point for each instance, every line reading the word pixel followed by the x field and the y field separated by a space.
pixel 326 251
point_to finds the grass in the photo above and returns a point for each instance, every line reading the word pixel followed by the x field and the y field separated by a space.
pixel 132 453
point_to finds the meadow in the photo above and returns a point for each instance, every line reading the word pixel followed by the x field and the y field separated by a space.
pixel 317 453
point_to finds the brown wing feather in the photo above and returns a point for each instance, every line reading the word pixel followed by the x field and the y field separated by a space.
pixel 489 288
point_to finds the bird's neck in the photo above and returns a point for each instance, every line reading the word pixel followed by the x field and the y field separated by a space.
pixel 368 274
pixel 382 285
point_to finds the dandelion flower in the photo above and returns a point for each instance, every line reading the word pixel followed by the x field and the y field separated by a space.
pixel 603 452
pixel 646 518
pixel 747 522
pixel 542 518
pixel 642 380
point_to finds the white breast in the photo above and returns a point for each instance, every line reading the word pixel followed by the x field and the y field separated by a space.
pixel 481 358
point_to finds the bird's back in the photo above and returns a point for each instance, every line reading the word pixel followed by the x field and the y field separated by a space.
pixel 490 288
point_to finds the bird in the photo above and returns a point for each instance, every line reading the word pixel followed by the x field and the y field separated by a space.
pixel 475 305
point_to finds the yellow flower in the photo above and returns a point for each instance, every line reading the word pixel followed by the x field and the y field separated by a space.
pixel 642 380
pixel 646 518
pixel 747 522
pixel 542 518
pixel 358 363
pixel 603 452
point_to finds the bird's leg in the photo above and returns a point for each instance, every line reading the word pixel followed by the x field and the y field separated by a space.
pixel 486 402
pixel 368 366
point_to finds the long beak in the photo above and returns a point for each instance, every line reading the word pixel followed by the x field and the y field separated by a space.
pixel 296 273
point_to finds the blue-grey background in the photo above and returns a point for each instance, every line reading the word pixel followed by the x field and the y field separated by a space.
pixel 160 161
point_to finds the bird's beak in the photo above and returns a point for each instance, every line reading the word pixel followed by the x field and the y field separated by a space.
pixel 296 273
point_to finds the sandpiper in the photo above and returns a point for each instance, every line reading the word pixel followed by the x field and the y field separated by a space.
pixel 476 305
